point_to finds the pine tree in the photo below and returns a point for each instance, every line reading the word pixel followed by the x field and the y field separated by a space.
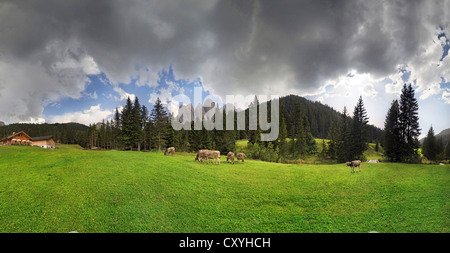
pixel 117 141
pixel 144 124
pixel 343 144
pixel 159 119
pixel 298 143
pixel 171 134
pixel 359 135
pixel 409 124
pixel 429 148
pixel 136 120
pixel 127 125
pixel 392 141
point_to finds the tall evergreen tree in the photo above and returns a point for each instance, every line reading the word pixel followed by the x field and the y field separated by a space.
pixel 343 145
pixel 409 124
pixel 117 130
pixel 392 141
pixel 127 125
pixel 136 120
pixel 144 124
pixel 430 146
pixel 159 120
pixel 359 134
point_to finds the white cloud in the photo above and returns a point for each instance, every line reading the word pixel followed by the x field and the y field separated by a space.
pixel 427 71
pixel 123 95
pixel 92 115
pixel 146 76
pixel 446 96
pixel 369 90
pixel 33 120
pixel 165 95
pixel 90 95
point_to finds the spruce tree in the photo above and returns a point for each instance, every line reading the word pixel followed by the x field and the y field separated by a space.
pixel 136 120
pixel 117 142
pixel 409 124
pixel 343 144
pixel 392 141
pixel 127 125
pixel 144 125
pixel 429 148
pixel 159 119
pixel 359 134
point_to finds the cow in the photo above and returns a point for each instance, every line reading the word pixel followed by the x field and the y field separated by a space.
pixel 230 157
pixel 353 164
pixel 240 156
pixel 212 154
pixel 201 155
pixel 170 150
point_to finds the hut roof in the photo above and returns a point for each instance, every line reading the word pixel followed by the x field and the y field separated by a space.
pixel 40 138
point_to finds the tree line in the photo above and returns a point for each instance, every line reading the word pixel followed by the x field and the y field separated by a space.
pixel 136 128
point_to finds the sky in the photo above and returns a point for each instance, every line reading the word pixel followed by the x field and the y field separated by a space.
pixel 78 60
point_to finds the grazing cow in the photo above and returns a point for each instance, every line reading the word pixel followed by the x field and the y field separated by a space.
pixel 212 154
pixel 353 164
pixel 240 156
pixel 201 155
pixel 230 157
pixel 170 150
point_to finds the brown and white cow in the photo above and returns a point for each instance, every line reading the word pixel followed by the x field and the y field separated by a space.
pixel 353 164
pixel 170 150
pixel 241 156
pixel 230 157
pixel 212 154
pixel 201 154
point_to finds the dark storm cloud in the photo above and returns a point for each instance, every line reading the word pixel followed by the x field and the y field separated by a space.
pixel 233 46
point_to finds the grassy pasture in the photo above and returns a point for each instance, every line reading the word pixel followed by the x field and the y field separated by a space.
pixel 118 191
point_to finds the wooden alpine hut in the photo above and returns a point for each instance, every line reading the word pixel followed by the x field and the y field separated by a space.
pixel 20 138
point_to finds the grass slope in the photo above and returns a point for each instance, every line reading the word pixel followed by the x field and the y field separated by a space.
pixel 116 191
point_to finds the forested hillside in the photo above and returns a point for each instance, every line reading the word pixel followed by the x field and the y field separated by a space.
pixel 320 117
pixel 66 133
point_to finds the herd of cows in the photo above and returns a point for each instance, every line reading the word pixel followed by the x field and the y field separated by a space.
pixel 205 154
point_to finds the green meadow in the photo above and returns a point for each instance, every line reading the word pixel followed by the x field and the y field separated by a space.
pixel 70 189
